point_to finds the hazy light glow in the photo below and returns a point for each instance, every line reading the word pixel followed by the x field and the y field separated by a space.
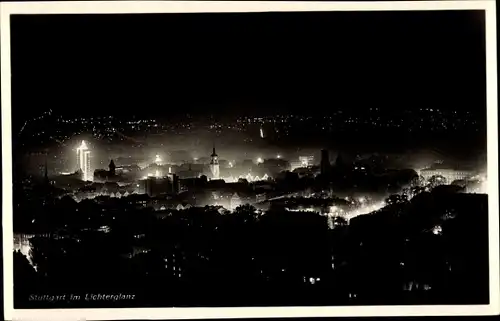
pixel 260 160
pixel 158 159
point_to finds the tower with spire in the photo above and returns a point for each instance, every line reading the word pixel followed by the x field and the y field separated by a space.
pixel 214 164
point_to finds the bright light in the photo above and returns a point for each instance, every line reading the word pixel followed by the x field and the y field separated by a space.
pixel 278 156
pixel 157 173
pixel 157 159
pixel 362 200
pixel 260 160
pixel 261 133
pixel 231 164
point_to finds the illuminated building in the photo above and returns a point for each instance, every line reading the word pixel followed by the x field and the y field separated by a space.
pixel 306 161
pixel 22 243
pixel 83 161
pixel 214 165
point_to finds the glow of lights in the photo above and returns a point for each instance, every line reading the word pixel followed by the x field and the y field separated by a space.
pixel 157 159
pixel 261 133
pixel 362 200
pixel 231 164
pixel 170 170
pixel 150 175
pixel 157 173
pixel 278 156
pixel 260 160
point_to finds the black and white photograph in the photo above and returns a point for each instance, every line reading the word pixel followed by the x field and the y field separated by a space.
pixel 258 156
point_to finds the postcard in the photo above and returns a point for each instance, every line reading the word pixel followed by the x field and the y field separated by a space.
pixel 199 160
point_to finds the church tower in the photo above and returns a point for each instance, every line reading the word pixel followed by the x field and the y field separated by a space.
pixel 112 168
pixel 214 165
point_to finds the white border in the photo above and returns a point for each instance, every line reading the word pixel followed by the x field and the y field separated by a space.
pixel 6 9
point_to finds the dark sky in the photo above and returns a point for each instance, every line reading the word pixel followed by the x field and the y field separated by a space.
pixel 170 63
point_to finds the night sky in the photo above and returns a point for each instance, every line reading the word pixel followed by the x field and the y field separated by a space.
pixel 165 64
